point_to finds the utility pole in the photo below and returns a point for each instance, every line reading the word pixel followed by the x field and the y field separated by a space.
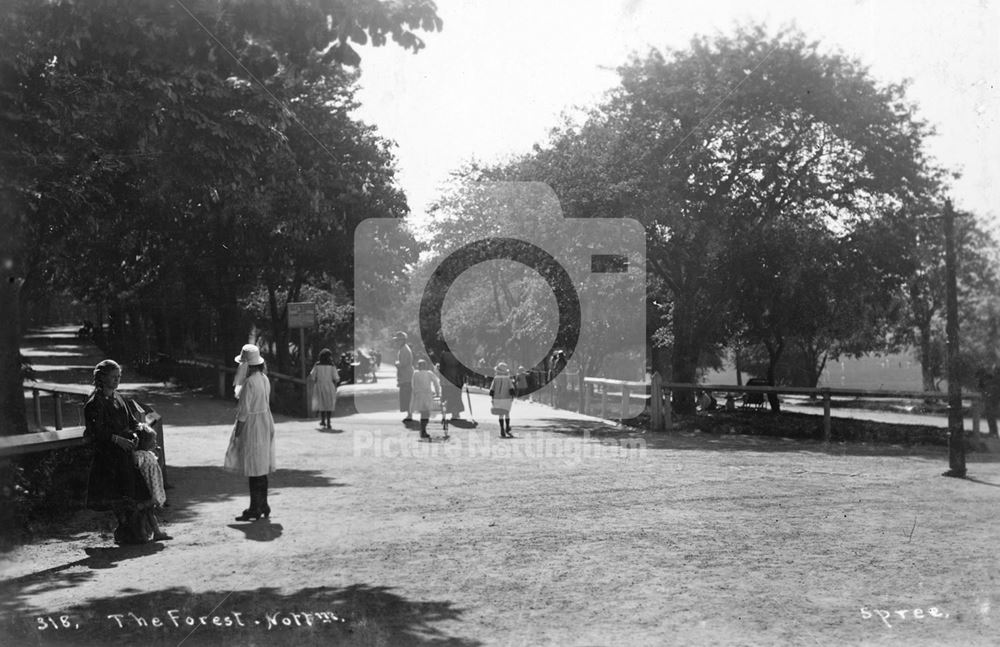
pixel 956 432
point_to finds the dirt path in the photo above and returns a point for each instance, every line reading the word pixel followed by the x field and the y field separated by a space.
pixel 574 533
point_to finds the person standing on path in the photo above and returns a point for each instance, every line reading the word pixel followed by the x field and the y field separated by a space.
pixel 425 387
pixel 989 389
pixel 502 392
pixel 404 374
pixel 451 385
pixel 324 378
pixel 115 482
pixel 251 446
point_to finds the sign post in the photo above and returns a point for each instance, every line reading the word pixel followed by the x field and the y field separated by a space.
pixel 302 316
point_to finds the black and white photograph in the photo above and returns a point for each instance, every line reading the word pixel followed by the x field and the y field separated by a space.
pixel 467 323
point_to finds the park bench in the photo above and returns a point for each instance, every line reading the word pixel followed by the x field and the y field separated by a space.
pixel 50 439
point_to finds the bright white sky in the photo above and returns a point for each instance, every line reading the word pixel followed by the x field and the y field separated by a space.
pixel 499 75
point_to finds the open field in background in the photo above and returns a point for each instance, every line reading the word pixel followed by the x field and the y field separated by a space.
pixel 899 372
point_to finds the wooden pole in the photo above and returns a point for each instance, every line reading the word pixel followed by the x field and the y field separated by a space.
pixel 656 403
pixel 36 398
pixel 57 408
pixel 302 362
pixel 826 415
pixel 668 411
pixel 956 433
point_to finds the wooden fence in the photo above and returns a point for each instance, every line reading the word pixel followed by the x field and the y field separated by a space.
pixel 619 394
pixel 60 436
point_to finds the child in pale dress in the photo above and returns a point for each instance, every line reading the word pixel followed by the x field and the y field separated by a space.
pixel 324 377
pixel 148 465
pixel 502 392
pixel 426 386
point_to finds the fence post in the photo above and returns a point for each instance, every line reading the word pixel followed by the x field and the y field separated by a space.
pixel 977 404
pixel 36 398
pixel 586 398
pixel 625 398
pixel 656 403
pixel 222 384
pixel 604 400
pixel 57 408
pixel 668 411
pixel 826 415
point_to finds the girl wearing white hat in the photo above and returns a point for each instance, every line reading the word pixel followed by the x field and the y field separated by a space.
pixel 502 392
pixel 251 446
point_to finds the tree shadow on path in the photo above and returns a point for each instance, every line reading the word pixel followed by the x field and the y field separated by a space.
pixel 194 485
pixel 687 436
pixel 71 574
pixel 358 614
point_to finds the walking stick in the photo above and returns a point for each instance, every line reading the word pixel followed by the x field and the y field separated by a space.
pixel 469 397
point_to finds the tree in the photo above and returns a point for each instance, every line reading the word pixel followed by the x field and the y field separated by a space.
pixel 116 109
pixel 709 145
pixel 923 294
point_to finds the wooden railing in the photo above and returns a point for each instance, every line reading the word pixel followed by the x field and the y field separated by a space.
pixel 48 439
pixel 621 393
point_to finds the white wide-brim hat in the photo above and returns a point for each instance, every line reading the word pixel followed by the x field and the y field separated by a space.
pixel 250 355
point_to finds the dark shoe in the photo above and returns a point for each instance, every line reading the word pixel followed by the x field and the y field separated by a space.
pixel 266 512
pixel 161 536
pixel 249 515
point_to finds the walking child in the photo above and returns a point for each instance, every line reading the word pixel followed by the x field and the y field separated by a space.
pixel 324 377
pixel 425 387
pixel 502 392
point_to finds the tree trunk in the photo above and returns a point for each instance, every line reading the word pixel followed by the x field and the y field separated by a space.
pixel 684 364
pixel 12 411
pixel 279 330
pixel 773 356
pixel 926 366
pixel 739 366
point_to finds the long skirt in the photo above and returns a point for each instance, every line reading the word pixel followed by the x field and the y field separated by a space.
pixel 136 522
pixel 452 396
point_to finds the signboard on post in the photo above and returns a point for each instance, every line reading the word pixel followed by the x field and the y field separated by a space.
pixel 302 316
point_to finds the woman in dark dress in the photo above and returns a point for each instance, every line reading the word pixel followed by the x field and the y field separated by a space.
pixel 115 482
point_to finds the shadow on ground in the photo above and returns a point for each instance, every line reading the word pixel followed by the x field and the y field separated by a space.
pixel 688 436
pixel 194 485
pixel 354 615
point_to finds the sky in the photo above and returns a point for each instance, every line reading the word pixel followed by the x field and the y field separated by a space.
pixel 501 73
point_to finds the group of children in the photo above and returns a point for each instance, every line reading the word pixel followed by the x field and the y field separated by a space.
pixel 425 388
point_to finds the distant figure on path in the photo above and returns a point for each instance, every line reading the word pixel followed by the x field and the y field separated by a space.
pixel 502 392
pixel 251 446
pixel 324 378
pixel 115 483
pixel 451 386
pixel 425 386
pixel 404 374
pixel 989 388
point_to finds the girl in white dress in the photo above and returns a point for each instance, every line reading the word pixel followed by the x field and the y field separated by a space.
pixel 324 378
pixel 426 387
pixel 502 392
pixel 251 446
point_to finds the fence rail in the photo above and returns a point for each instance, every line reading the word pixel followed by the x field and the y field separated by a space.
pixel 60 437
pixel 623 392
